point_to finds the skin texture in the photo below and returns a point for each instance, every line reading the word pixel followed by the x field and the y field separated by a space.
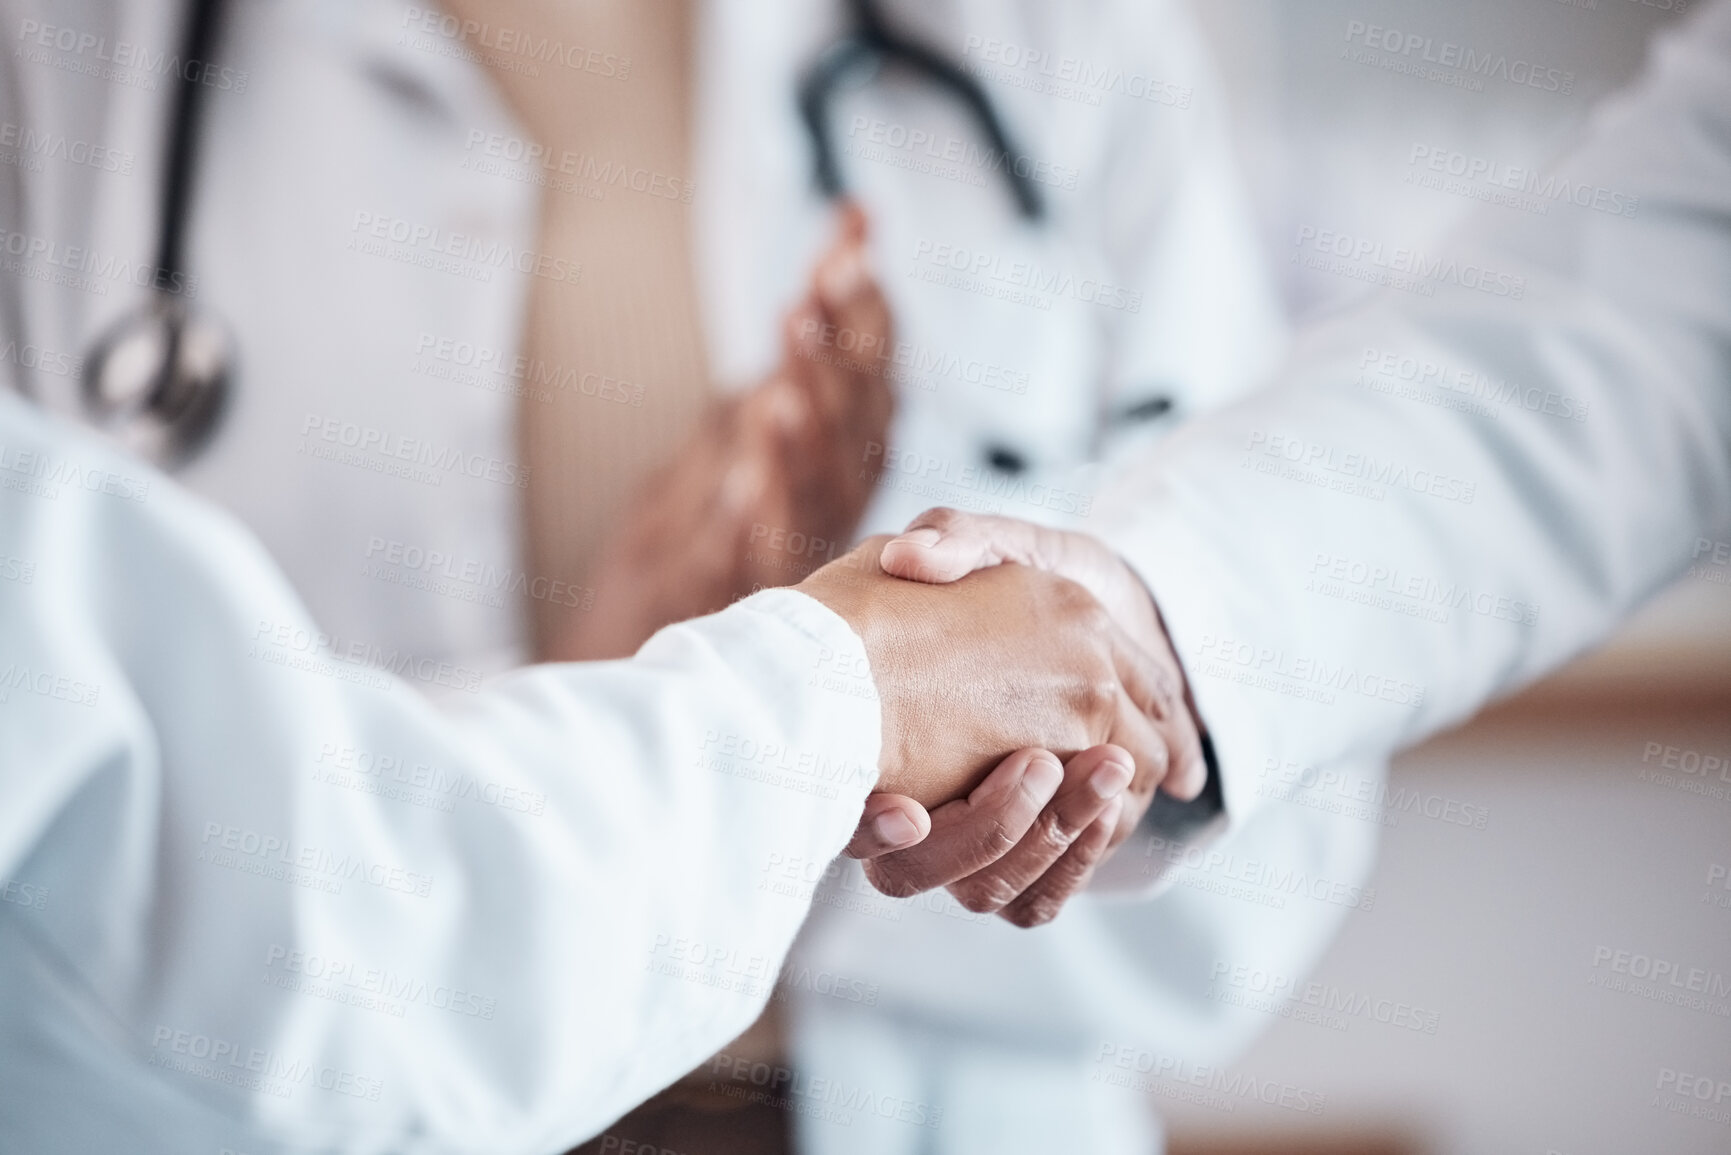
pixel 778 464
pixel 630 323
pixel 785 456
pixel 1021 843
pixel 1045 858
pixel 962 681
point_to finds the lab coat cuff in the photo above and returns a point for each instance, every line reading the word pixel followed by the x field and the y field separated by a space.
pixel 1181 568
pixel 834 670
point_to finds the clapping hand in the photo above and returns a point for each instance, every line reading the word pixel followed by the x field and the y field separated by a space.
pixel 782 460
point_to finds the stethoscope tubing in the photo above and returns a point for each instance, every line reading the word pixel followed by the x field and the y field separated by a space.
pixel 874 42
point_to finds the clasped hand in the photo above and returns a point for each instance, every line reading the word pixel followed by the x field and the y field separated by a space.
pixel 1033 638
pixel 1029 694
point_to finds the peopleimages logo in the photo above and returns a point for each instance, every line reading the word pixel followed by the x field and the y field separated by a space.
pixel 1356 467
pixel 39 144
pixel 99 57
pixel 84 268
pixel 1401 266
pixel 1471 383
pixel 1225 656
pixel 515 48
pixel 1436 161
pixel 437 459
pixel 1413 46
pixel 1036 284
pixel 1064 76
pixel 1118 1064
pixel 441 250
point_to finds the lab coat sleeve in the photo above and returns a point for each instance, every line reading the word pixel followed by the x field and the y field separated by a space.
pixel 286 893
pixel 1444 496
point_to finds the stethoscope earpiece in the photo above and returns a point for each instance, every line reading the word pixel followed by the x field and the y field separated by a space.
pixel 159 378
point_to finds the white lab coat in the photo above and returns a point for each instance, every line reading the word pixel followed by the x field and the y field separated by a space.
pixel 1023 1052
pixel 1307 615
pixel 995 1031
pixel 260 894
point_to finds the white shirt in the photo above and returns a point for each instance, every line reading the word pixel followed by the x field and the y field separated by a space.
pixel 1346 564
pixel 1024 1049
pixel 261 894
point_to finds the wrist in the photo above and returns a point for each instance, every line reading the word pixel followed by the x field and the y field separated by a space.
pixel 847 588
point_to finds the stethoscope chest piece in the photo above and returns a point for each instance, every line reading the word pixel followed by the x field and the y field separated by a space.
pixel 159 379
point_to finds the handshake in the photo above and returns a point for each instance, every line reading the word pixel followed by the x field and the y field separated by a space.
pixel 987 634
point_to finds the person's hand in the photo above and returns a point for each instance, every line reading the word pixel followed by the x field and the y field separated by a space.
pixel 836 358
pixel 1019 845
pixel 945 545
pixel 777 464
pixel 940 546
pixel 962 682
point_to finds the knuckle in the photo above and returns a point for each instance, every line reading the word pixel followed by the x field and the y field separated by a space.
pixel 984 895
pixel 1168 700
pixel 1057 833
pixel 1077 603
pixel 1096 694
pixel 993 841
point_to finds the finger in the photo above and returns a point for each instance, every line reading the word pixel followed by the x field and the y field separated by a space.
pixel 1157 690
pixel 943 545
pixel 1141 714
pixel 1041 902
pixel 821 360
pixel 891 822
pixel 836 345
pixel 850 297
pixel 1188 773
pixel 841 338
pixel 1093 779
pixel 971 833
pixel 753 496
pixel 778 408
pixel 844 270
pixel 852 221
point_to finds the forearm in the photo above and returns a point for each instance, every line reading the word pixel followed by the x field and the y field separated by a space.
pixel 508 923
pixel 616 356
pixel 1346 567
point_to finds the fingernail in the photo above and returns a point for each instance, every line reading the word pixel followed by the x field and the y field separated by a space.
pixel 893 828
pixel 1110 779
pixel 925 537
pixel 1043 776
pixel 841 277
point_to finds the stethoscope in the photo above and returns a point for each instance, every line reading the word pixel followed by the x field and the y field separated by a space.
pixel 860 55
pixel 873 44
pixel 160 376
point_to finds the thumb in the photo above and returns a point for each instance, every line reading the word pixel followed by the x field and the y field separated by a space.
pixel 944 545
pixel 890 822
